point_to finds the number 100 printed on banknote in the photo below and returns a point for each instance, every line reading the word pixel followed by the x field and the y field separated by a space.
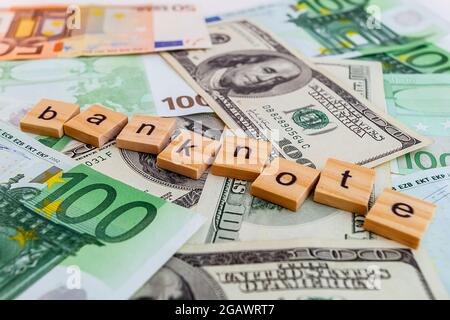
pixel 58 217
pixel 255 83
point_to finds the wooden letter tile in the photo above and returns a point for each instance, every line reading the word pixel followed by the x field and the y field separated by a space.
pixel 285 183
pixel 48 117
pixel 345 186
pixel 241 158
pixel 146 134
pixel 96 125
pixel 189 154
pixel 400 217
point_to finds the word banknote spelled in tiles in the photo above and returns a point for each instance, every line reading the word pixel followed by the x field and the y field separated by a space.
pixel 284 182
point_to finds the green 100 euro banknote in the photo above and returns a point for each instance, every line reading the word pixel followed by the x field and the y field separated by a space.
pixel 421 102
pixel 347 28
pixel 424 58
pixel 69 232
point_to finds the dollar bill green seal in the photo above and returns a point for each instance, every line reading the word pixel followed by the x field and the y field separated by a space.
pixel 308 118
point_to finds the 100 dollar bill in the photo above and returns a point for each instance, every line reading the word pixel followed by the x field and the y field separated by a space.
pixel 70 232
pixel 233 214
pixel 255 83
pixel 295 269
pixel 140 170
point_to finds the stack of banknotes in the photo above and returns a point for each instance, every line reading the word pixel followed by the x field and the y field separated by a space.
pixel 364 81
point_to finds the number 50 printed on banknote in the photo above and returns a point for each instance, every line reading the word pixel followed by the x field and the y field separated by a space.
pixel 257 84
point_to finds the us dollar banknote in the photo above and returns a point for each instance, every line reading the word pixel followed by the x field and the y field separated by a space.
pixel 140 170
pixel 297 269
pixel 233 214
pixel 256 84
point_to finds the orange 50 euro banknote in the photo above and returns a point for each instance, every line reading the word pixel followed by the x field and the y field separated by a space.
pixel 71 31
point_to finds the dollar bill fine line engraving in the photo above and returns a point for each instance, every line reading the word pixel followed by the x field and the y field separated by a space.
pixel 254 83
pixel 295 269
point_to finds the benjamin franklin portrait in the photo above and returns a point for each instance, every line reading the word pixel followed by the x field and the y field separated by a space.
pixel 178 280
pixel 256 73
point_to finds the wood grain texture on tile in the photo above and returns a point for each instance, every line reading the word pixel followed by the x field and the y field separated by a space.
pixel 241 158
pixel 146 134
pixel 48 117
pixel 345 186
pixel 286 183
pixel 96 125
pixel 400 217
pixel 189 154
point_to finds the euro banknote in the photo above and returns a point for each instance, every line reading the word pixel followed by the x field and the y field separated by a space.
pixel 423 58
pixel 420 101
pixel 70 232
pixel 258 85
pixel 234 215
pixel 66 31
pixel 295 270
pixel 347 28
pixel 129 84
pixel 433 186
pixel 436 155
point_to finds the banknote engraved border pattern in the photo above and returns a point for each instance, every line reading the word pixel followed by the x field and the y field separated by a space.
pixel 209 259
pixel 341 92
